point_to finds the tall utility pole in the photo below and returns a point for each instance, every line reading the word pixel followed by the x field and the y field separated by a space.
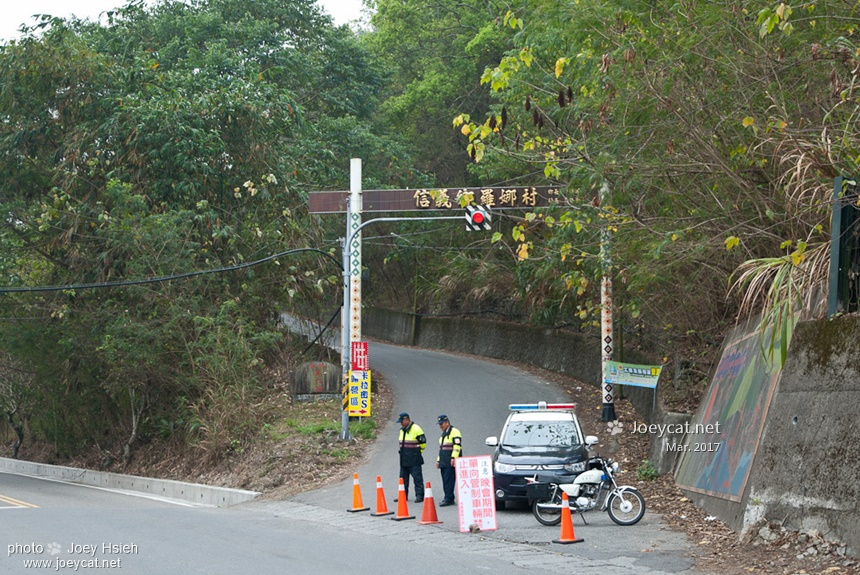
pixel 351 312
pixel 354 235
pixel 344 336
pixel 606 326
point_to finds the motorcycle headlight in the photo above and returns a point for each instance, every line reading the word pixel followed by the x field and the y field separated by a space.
pixel 575 467
pixel 504 467
pixel 615 467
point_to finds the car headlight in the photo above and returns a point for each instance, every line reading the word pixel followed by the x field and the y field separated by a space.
pixel 504 467
pixel 575 467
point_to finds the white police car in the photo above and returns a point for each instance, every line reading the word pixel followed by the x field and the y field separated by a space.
pixel 537 438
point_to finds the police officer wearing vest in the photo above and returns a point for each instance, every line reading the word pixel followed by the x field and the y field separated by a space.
pixel 412 444
pixel 450 448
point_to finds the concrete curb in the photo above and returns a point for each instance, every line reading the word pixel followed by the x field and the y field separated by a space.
pixel 190 492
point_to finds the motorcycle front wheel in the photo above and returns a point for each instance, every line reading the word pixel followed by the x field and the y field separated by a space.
pixel 626 508
pixel 546 516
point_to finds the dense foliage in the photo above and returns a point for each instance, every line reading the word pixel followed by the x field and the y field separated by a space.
pixel 437 50
pixel 174 139
pixel 717 128
pixel 697 141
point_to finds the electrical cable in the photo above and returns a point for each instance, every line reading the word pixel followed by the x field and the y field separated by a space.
pixel 328 325
pixel 167 278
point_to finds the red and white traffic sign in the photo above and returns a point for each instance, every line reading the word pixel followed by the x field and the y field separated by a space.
pixel 359 356
pixel 476 494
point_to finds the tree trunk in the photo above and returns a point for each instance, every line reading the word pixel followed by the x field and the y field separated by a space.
pixel 136 413
pixel 18 427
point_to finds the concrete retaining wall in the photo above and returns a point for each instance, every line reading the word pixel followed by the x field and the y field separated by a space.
pixel 394 326
pixel 806 474
pixel 179 490
pixel 577 355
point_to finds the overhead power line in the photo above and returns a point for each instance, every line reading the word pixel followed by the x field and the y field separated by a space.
pixel 167 278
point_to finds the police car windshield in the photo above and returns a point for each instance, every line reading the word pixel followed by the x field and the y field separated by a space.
pixel 541 434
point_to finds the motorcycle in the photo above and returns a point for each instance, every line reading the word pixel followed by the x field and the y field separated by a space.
pixel 594 488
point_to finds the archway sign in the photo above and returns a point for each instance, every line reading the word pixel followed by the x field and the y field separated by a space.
pixel 435 199
pixel 439 200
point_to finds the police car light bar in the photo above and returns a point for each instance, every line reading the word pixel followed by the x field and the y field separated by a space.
pixel 541 405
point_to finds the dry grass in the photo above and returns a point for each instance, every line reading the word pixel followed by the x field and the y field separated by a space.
pixel 295 448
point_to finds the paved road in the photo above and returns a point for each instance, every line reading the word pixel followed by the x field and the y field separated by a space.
pixel 52 527
pixel 475 394
pixel 313 533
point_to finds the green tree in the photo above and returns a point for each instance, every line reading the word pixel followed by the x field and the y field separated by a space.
pixel 436 49
pixel 717 136
pixel 174 138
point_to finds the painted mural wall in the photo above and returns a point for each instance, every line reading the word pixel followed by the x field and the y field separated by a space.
pixel 718 454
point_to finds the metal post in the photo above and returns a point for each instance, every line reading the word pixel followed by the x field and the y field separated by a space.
pixel 606 332
pixel 351 313
pixel 345 319
pixel 355 208
pixel 835 248
pixel 344 339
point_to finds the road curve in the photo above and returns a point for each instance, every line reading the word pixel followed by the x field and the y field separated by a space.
pixel 475 394
pixel 313 533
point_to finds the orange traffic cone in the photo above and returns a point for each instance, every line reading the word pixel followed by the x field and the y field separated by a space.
pixel 381 506
pixel 402 508
pixel 567 535
pixel 429 514
pixel 357 503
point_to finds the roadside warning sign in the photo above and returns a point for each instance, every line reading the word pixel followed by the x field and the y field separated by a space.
pixel 359 355
pixel 475 493
pixel 358 399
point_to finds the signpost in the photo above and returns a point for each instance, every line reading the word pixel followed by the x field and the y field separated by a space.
pixel 617 373
pixel 359 355
pixel 632 374
pixel 358 402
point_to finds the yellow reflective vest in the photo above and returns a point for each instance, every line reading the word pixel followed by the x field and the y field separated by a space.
pixel 450 446
pixel 412 444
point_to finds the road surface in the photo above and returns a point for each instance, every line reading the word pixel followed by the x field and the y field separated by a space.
pixel 475 395
pixel 53 527
pixel 48 526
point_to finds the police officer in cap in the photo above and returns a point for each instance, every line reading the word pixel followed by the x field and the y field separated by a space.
pixel 450 448
pixel 412 443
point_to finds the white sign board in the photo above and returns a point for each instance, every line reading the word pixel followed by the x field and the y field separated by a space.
pixel 476 499
pixel 631 374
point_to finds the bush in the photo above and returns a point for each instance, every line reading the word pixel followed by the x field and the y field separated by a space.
pixel 646 471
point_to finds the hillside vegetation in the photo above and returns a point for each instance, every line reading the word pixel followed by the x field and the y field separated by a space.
pixel 696 142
